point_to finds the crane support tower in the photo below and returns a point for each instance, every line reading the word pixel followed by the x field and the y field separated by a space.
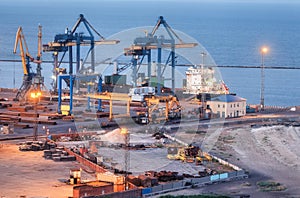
pixel 143 46
pixel 157 108
pixel 31 80
pixel 64 43
pixel 71 38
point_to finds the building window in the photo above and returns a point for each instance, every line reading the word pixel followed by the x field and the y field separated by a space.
pixel 223 105
pixel 230 105
pixel 234 105
pixel 218 105
pixel 238 105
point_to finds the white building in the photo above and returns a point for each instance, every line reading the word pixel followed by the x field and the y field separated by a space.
pixel 228 106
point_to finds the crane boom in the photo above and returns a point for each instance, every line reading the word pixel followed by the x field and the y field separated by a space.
pixel 170 31
pixel 39 54
pixel 20 39
pixel 30 79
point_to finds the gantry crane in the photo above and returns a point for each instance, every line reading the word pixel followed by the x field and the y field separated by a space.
pixel 143 46
pixel 158 108
pixel 64 43
pixel 31 80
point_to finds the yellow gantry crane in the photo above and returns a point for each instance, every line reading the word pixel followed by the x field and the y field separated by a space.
pixel 31 80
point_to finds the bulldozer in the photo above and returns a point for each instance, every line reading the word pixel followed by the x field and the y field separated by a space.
pixel 189 154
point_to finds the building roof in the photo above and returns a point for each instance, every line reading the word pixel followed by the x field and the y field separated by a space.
pixel 227 98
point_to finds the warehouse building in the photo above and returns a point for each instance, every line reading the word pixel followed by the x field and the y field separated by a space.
pixel 227 106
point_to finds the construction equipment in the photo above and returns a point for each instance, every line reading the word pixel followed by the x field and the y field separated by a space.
pixel 160 109
pixel 173 108
pixel 185 154
pixel 31 80
pixel 188 154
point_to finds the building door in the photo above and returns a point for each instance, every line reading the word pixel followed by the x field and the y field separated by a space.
pixel 223 114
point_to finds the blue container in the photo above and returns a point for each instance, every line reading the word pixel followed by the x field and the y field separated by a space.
pixel 146 191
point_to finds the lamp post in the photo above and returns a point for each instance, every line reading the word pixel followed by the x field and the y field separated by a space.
pixel 263 51
pixel 203 54
pixel 126 134
pixel 35 95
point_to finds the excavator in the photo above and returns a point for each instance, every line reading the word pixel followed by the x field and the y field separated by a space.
pixel 31 80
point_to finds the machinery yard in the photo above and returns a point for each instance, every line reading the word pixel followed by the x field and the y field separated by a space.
pixel 142 130
pixel 237 144
pixel 239 140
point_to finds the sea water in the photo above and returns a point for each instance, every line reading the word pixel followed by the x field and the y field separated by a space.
pixel 231 31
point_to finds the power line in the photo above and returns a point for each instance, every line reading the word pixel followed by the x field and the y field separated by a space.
pixel 185 65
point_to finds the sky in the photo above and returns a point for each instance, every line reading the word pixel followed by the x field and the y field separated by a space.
pixel 183 1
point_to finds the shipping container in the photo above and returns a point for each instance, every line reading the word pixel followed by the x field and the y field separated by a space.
pixel 224 176
pixel 115 80
pixel 146 191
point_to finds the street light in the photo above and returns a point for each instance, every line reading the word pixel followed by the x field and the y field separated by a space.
pixel 203 109
pixel 263 51
pixel 126 134
pixel 35 95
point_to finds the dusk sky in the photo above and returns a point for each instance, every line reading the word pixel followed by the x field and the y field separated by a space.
pixel 185 1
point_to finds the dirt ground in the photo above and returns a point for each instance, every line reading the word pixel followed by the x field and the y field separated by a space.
pixel 29 174
pixel 272 151
pixel 267 153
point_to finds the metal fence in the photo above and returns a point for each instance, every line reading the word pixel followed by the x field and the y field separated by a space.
pixel 238 173
pixel 193 182
pixel 179 185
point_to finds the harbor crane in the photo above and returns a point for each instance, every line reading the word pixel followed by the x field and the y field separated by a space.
pixel 143 46
pixel 64 43
pixel 31 80
pixel 71 38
